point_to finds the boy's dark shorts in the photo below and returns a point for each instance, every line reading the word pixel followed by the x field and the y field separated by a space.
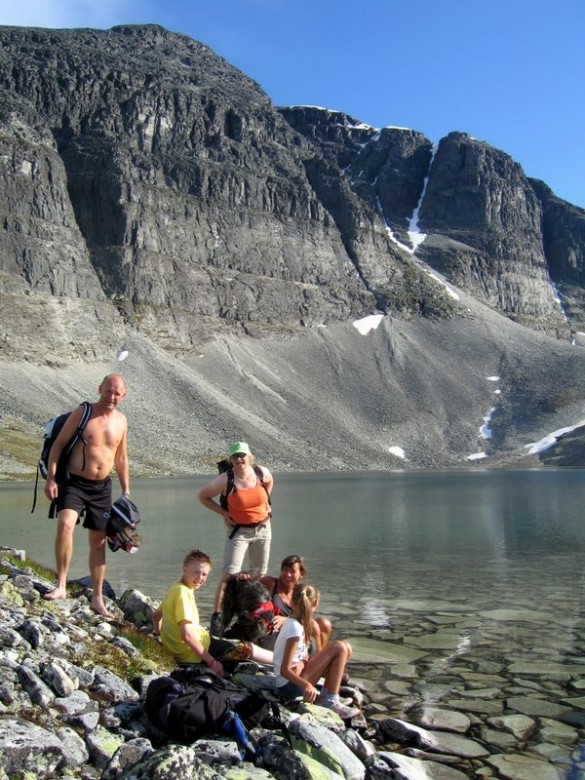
pixel 87 496
pixel 224 650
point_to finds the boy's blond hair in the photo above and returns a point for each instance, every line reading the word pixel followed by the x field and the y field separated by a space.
pixel 197 555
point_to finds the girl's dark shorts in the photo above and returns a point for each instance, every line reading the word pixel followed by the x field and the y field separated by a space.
pixel 289 691
pixel 89 497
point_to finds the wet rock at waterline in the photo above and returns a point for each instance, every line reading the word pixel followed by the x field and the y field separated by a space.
pixel 434 709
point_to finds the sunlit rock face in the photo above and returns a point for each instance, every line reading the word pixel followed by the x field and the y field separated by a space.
pixel 143 172
pixel 155 204
pixel 467 210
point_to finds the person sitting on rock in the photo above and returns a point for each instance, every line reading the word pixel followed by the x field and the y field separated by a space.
pixel 296 672
pixel 292 570
pixel 177 621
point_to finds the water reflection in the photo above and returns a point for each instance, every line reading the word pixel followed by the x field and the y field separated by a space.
pixel 469 585
pixel 371 538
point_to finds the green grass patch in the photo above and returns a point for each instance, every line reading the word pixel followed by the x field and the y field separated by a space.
pixel 18 442
pixel 150 648
pixel 29 565
pixel 153 658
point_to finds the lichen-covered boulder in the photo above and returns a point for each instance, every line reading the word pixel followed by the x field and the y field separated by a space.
pixel 26 747
pixel 326 747
pixel 102 746
pixel 170 763
pixel 75 752
pixel 126 757
pixel 111 687
pixel 137 607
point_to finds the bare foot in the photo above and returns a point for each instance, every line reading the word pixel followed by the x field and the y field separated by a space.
pixel 58 593
pixel 100 608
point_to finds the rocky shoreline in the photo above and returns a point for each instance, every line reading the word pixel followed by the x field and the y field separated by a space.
pixel 72 706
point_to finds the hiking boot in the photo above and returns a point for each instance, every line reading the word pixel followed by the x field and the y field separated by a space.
pixel 216 625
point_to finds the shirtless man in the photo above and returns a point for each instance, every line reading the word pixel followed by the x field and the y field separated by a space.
pixel 103 444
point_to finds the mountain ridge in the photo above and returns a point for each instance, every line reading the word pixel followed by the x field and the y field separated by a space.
pixel 154 199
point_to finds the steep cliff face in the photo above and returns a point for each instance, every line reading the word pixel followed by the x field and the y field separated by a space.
pixel 484 222
pixel 487 228
pixel 563 227
pixel 152 196
pixel 386 168
pixel 182 195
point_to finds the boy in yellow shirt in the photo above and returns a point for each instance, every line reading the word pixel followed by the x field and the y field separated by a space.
pixel 177 622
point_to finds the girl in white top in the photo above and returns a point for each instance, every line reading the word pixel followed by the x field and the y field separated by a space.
pixel 296 673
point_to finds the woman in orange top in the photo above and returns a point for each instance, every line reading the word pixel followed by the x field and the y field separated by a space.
pixel 247 518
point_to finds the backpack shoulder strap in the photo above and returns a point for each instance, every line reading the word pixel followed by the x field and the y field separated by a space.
pixel 85 415
pixel 260 475
pixel 223 498
pixel 83 420
pixel 230 484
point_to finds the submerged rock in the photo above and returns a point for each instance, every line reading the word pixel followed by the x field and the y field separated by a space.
pixel 519 767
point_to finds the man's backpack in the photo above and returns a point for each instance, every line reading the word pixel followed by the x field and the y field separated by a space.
pixel 52 430
pixel 224 466
pixel 189 706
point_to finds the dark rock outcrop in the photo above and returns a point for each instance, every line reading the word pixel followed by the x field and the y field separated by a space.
pixel 152 195
pixel 563 228
pixel 143 170
pixel 180 192
pixel 489 229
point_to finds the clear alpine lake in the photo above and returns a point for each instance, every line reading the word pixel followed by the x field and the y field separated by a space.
pixel 459 590
pixel 374 542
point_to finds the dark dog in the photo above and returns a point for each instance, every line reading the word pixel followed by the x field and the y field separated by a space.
pixel 248 602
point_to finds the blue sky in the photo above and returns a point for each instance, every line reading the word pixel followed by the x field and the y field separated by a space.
pixel 508 72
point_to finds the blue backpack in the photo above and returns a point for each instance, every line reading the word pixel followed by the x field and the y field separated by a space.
pixel 52 430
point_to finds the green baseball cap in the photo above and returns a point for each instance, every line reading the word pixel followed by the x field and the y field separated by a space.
pixel 239 446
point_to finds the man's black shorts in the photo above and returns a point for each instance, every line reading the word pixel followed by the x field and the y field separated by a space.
pixel 89 496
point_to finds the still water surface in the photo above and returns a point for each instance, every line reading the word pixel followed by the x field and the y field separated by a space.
pixel 464 589
pixel 370 539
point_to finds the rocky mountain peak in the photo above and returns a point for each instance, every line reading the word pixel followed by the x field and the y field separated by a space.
pixel 151 193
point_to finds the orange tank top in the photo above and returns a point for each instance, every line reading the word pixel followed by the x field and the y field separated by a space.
pixel 248 505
